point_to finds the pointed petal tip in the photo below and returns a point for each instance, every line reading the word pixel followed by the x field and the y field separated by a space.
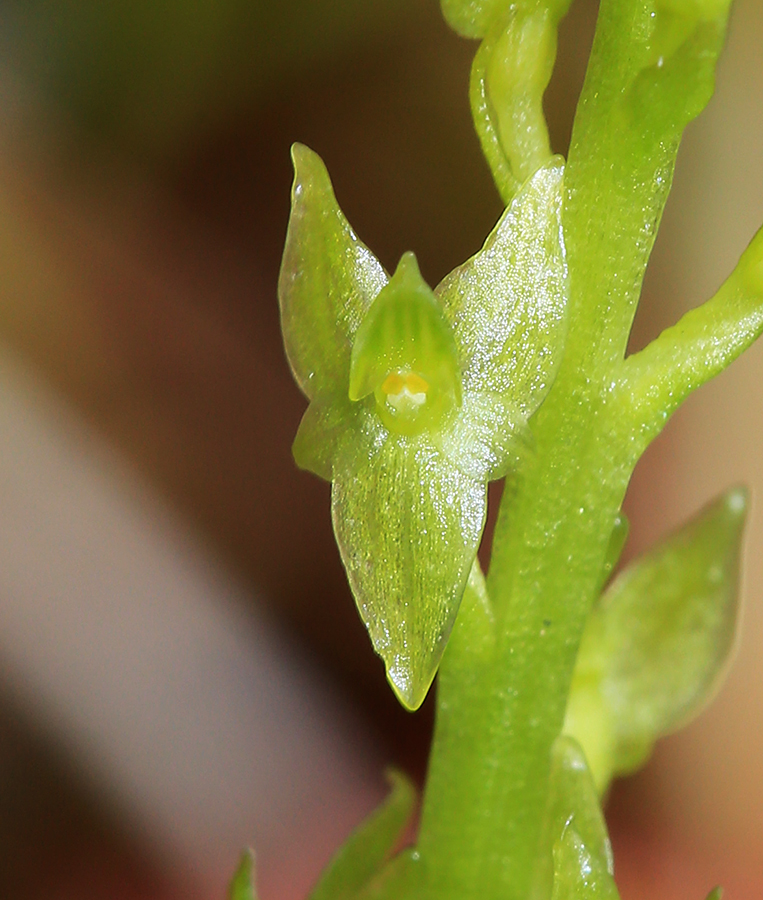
pixel 410 689
pixel 307 164
pixel 408 267
pixel 300 152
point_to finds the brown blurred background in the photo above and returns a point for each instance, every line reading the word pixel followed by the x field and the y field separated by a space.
pixel 181 667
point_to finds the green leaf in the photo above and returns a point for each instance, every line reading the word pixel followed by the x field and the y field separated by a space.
pixel 404 353
pixel 573 799
pixel 364 853
pixel 242 885
pixel 655 647
pixel 654 382
pixel 327 282
pixel 510 74
pixel 507 304
pixel 408 523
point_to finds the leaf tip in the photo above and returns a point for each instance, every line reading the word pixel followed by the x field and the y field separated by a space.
pixel 242 885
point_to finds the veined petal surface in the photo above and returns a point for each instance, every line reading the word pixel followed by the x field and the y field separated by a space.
pixel 408 522
pixel 328 280
pixel 507 304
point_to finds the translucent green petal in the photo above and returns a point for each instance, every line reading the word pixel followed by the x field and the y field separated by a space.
pixel 327 282
pixel 408 523
pixel 507 305
pixel 363 855
pixel 404 353
pixel 487 437
pixel 242 885
pixel 324 427
pixel 655 647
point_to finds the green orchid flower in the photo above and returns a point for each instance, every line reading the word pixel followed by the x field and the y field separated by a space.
pixel 418 399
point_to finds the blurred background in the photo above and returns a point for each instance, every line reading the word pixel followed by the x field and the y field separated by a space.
pixel 182 671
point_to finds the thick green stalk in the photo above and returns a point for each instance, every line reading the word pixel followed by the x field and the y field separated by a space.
pixel 501 709
pixel 491 753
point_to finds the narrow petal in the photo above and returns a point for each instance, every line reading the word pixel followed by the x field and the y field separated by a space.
pixel 408 523
pixel 507 304
pixel 327 282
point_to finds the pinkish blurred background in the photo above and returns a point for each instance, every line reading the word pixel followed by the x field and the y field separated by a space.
pixel 182 671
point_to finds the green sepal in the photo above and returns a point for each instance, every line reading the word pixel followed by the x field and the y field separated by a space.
pixel 716 893
pixel 659 640
pixel 405 334
pixel 508 304
pixel 365 852
pixel 327 282
pixel 320 434
pixel 509 76
pixel 242 886
pixel 408 523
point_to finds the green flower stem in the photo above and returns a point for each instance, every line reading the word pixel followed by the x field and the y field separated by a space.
pixel 491 753
pixel 654 382
pixel 500 710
